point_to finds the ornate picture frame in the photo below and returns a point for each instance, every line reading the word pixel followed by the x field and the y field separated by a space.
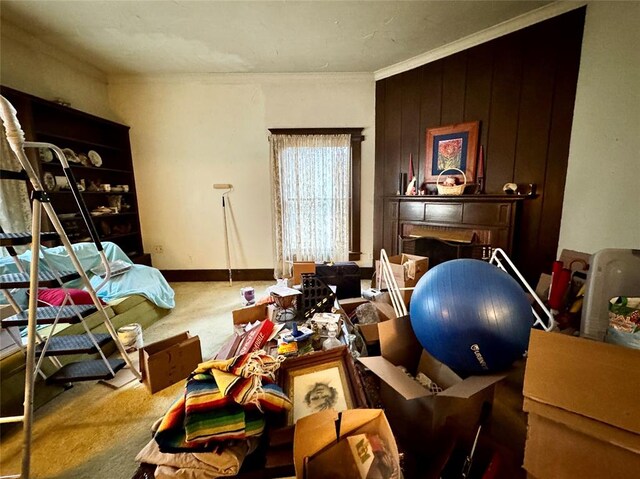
pixel 319 381
pixel 452 146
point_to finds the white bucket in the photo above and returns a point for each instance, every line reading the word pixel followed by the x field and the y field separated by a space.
pixel 130 335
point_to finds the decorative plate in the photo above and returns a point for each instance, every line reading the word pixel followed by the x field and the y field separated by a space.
pixel 95 158
pixel 71 155
pixel 45 154
pixel 84 159
pixel 49 181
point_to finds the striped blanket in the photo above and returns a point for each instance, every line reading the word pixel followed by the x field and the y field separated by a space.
pixel 222 400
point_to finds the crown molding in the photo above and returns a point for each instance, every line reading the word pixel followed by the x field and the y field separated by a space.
pixel 483 36
pixel 240 78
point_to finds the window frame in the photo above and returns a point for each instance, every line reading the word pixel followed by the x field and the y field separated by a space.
pixel 356 160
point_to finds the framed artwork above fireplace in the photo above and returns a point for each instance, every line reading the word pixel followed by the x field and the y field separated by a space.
pixel 452 146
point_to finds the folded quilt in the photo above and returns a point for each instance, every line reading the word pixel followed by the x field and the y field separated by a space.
pixel 223 400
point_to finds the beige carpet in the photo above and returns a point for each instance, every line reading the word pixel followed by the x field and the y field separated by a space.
pixel 93 431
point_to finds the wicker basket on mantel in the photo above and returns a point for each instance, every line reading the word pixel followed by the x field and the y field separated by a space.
pixel 451 190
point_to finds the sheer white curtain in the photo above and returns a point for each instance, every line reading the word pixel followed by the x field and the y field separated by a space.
pixel 311 187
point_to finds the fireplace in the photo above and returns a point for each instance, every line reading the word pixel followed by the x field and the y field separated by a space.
pixel 450 227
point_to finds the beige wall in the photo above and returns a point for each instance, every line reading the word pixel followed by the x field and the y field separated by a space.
pixel 602 193
pixel 189 132
pixel 31 66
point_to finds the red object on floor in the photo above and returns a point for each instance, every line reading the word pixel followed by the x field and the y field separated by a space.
pixel 559 285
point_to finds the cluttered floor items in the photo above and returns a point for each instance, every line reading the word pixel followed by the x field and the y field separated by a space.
pixel 215 423
pixel 364 390
pixel 290 357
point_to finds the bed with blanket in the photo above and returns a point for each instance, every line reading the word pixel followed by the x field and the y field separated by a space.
pixel 140 295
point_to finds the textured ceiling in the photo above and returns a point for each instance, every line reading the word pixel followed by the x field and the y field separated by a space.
pixel 151 36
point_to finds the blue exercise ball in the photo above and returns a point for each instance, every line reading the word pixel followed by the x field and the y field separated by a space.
pixel 471 315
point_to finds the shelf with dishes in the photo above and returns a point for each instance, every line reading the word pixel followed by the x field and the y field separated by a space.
pixel 79 167
pixel 110 192
pixel 88 156
pixel 87 183
pixel 98 151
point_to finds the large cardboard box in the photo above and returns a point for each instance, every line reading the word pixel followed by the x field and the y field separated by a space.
pixel 561 444
pixel 316 433
pixel 594 379
pixel 582 400
pixel 168 361
pixel 416 414
pixel 405 277
pixel 369 331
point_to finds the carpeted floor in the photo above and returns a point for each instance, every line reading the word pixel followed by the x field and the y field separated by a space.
pixel 94 432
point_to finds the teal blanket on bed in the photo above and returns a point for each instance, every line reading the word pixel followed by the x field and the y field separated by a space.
pixel 140 279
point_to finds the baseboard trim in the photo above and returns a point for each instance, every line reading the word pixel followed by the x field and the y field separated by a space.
pixel 187 275
pixel 179 275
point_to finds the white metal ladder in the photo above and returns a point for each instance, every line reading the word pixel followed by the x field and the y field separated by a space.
pixel 15 138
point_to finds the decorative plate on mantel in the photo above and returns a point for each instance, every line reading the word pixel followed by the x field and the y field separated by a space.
pixel 95 158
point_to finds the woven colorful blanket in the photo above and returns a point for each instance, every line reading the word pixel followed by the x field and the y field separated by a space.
pixel 222 400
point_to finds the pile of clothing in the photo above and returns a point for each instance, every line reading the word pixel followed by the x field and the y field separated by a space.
pixel 209 429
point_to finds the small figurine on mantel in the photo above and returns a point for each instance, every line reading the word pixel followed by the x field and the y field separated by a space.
pixel 412 188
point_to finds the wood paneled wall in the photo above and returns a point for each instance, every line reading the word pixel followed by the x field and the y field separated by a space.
pixel 521 87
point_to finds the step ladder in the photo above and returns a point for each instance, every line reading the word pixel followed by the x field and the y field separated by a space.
pixel 38 348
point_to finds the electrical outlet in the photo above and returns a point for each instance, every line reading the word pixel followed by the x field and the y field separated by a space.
pixel 158 249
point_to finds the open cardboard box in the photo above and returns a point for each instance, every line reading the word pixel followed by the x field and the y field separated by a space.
pixel 582 400
pixel 250 314
pixel 316 433
pixel 416 414
pixel 401 274
pixel 166 362
pixel 369 331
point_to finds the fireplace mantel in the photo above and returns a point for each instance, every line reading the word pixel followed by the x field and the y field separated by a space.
pixel 492 217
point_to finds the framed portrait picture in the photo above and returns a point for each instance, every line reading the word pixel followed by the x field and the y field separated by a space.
pixel 452 146
pixel 320 381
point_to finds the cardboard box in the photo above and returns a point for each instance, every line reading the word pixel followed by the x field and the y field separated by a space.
pixel 401 274
pixel 316 433
pixel 597 380
pixel 561 444
pixel 300 267
pixel 581 396
pixel 168 361
pixel 417 415
pixel 369 331
pixel 250 314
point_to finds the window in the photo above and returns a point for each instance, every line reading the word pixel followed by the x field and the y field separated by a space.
pixel 316 195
